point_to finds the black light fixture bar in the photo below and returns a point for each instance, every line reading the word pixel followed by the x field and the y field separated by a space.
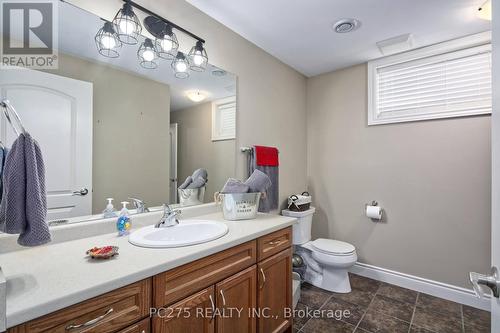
pixel 173 25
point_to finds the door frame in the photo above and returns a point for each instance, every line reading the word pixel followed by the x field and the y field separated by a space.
pixel 174 136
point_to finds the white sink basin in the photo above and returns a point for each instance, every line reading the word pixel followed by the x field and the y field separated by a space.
pixel 187 232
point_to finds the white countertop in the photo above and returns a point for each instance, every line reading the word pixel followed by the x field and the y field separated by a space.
pixel 44 279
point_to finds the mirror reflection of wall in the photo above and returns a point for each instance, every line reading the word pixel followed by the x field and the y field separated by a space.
pixel 206 139
pixel 105 124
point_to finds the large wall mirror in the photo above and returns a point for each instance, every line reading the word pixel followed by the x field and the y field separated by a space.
pixel 109 128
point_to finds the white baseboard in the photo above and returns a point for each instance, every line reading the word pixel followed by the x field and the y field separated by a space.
pixel 426 286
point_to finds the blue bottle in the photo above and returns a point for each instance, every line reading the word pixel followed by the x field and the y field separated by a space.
pixel 124 223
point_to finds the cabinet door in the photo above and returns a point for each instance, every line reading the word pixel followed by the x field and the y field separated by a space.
pixel 275 292
pixel 236 300
pixel 190 315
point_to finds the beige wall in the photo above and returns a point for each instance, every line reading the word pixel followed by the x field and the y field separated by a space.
pixel 197 150
pixel 431 177
pixel 130 143
pixel 271 95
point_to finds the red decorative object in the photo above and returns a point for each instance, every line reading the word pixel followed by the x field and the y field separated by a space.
pixel 104 252
pixel 266 156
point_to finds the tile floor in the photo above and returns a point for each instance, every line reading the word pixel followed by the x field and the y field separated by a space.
pixel 377 307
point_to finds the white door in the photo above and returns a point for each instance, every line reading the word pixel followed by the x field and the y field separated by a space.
pixel 57 112
pixel 173 162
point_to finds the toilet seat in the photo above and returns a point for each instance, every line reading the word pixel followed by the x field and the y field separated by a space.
pixel 333 247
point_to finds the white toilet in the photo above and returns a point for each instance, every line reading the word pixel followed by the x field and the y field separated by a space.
pixel 328 261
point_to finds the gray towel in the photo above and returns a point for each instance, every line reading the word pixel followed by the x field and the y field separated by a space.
pixel 200 173
pixel 271 200
pixel 3 155
pixel 235 186
pixel 258 181
pixel 197 183
pixel 186 183
pixel 24 206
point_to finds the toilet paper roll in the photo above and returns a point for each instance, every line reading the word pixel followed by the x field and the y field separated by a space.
pixel 374 212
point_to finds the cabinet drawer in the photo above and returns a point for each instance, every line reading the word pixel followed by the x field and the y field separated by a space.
pixel 185 280
pixel 144 326
pixel 273 243
pixel 103 314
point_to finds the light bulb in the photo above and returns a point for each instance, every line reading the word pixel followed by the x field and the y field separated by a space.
pixel 181 66
pixel 127 27
pixel 166 44
pixel 198 59
pixel 148 55
pixel 108 42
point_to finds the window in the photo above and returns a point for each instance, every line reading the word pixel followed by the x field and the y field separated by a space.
pixel 224 119
pixel 451 79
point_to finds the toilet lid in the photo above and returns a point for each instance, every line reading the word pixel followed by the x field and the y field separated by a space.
pixel 331 246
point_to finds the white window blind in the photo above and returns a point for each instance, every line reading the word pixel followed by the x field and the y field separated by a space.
pixel 224 119
pixel 450 84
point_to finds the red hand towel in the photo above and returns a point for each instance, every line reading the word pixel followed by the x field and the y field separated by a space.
pixel 266 156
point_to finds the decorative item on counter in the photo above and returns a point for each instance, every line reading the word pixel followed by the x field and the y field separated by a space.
pixel 239 206
pixel 299 203
pixel 192 190
pixel 124 223
pixel 110 210
pixel 104 252
pixel 241 200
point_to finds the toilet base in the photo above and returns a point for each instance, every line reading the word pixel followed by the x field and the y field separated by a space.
pixel 336 280
pixel 326 271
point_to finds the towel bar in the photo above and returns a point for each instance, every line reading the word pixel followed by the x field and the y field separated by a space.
pixel 247 149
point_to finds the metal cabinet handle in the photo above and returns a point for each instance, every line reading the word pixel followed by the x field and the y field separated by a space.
pixel 82 192
pixel 263 278
pixel 213 307
pixel 277 242
pixel 223 298
pixel 90 322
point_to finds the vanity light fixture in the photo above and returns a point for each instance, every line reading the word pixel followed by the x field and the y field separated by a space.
pixel 196 96
pixel 167 45
pixel 126 29
pixel 147 55
pixel 484 12
pixel 127 25
pixel 181 66
pixel 198 57
pixel 107 41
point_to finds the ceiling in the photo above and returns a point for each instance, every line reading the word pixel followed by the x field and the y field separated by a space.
pixel 300 33
pixel 77 29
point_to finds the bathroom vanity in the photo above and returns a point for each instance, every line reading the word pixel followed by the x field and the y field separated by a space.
pixel 186 289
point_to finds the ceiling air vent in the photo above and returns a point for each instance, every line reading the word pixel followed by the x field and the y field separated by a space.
pixel 346 25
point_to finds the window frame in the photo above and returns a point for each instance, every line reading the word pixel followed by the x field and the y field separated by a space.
pixel 215 107
pixel 481 40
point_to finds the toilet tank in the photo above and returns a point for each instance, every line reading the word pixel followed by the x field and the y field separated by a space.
pixel 302 229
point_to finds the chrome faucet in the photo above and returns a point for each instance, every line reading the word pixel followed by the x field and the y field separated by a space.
pixel 169 218
pixel 140 206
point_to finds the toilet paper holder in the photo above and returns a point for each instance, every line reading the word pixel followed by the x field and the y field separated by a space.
pixel 374 216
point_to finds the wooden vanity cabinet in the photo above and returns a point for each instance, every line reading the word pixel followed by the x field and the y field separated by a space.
pixel 214 308
pixel 275 292
pixel 193 314
pixel 254 277
pixel 237 299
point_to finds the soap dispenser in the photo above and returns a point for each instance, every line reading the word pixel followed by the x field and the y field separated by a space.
pixel 123 224
pixel 110 210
